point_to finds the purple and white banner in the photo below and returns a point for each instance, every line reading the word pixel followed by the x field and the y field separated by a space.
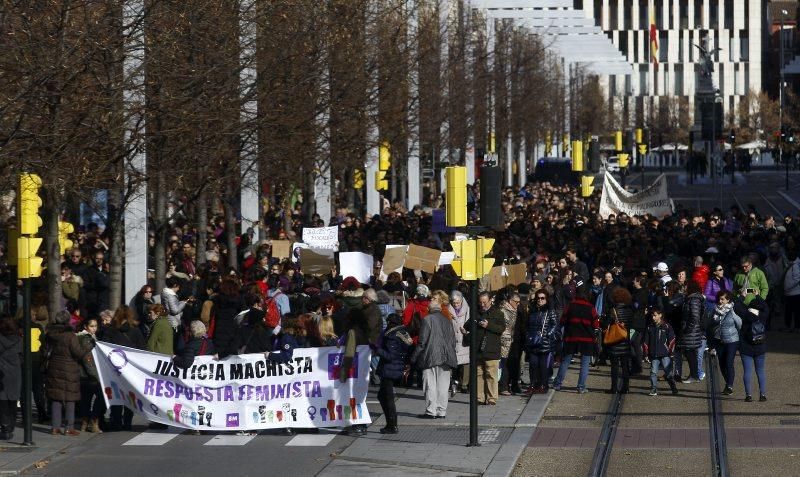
pixel 239 392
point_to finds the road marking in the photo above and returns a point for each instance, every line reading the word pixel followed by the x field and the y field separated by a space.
pixel 789 199
pixel 311 440
pixel 229 440
pixel 151 439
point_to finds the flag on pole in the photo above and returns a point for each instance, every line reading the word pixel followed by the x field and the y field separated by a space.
pixel 653 36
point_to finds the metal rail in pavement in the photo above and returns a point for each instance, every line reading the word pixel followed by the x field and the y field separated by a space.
pixel 602 451
pixel 716 422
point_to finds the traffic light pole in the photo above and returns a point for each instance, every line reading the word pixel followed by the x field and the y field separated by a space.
pixel 27 363
pixel 473 366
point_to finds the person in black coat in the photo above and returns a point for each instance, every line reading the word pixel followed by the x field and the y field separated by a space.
pixel 542 336
pixel 691 334
pixel 124 331
pixel 198 345
pixel 227 304
pixel 394 348
pixel 254 335
pixel 753 342
pixel 10 375
pixel 620 311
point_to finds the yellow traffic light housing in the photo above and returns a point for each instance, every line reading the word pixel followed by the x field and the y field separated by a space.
pixel 456 196
pixel 586 186
pixel 28 219
pixel 618 141
pixel 577 156
pixel 639 135
pixel 624 159
pixel 548 144
pixel 64 243
pixel 483 264
pixel 384 156
pixel 358 179
pixel 465 265
pixel 381 182
pixel 28 264
pixel 642 149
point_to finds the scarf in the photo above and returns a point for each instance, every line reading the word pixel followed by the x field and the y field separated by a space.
pixel 721 310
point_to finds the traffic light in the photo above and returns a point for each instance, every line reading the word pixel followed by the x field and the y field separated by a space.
pixel 484 264
pixel 733 136
pixel 565 144
pixel 491 193
pixel 548 145
pixel 465 263
pixel 790 136
pixel 594 155
pixel 64 243
pixel 358 179
pixel 623 160
pixel 384 163
pixel 618 141
pixel 456 196
pixel 28 219
pixel 491 142
pixel 586 186
pixel 28 264
pixel 639 136
pixel 642 149
pixel 577 156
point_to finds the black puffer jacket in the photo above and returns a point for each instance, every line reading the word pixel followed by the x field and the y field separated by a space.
pixel 690 335
pixel 394 353
pixel 624 314
pixel 226 330
pixel 543 322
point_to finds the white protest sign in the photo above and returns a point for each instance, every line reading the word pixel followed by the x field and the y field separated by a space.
pixel 446 258
pixel 652 200
pixel 238 392
pixel 357 265
pixel 321 237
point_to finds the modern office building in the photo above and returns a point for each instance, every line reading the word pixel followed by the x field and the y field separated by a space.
pixel 733 26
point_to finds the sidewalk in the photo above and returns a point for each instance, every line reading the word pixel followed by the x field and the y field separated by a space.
pixel 16 458
pixel 438 447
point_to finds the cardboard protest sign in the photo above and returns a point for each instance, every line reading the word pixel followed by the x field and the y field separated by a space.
pixel 517 274
pixel 496 279
pixel 296 247
pixel 357 265
pixel 321 237
pixel 316 261
pixel 281 249
pixel 422 258
pixel 394 258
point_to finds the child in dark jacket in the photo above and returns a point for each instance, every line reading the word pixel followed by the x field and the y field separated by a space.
pixel 658 347
pixel 285 342
pixel 393 349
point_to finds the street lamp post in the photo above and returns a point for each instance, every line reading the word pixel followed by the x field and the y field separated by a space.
pixel 780 101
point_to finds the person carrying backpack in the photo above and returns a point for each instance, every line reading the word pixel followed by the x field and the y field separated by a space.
pixel 753 341
pixel 276 304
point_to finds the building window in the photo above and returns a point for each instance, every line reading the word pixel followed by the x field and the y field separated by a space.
pixel 643 79
pixel 731 49
pixel 612 85
pixel 644 18
pixel 627 12
pixel 680 46
pixel 678 80
pixel 663 46
pixel 698 14
pixel 744 46
pixel 659 16
pixel 598 12
pixel 729 14
pixel 623 43
pixel 713 15
pixel 613 10
pixel 736 84
pixel 683 10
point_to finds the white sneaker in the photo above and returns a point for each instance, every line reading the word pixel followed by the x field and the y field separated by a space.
pixel 690 381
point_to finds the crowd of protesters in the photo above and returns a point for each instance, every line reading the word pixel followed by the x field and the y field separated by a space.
pixel 627 291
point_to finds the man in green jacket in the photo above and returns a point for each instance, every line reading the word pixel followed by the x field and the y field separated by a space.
pixel 751 278
pixel 491 324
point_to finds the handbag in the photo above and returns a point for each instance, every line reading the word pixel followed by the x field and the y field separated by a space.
pixel 615 333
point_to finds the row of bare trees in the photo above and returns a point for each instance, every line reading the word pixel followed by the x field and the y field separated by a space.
pixel 326 72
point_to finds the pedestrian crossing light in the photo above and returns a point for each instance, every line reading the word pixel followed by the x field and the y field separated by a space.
pixel 577 156
pixel 642 149
pixel 456 196
pixel 29 204
pixel 639 136
pixel 586 186
pixel 28 264
pixel 623 160
pixel 618 140
pixel 64 243
pixel 484 264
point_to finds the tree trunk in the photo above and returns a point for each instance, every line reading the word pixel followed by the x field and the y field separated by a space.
pixel 230 232
pixel 160 249
pixel 116 252
pixel 51 215
pixel 202 228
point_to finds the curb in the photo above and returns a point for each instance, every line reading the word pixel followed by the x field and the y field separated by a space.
pixel 503 463
pixel 36 455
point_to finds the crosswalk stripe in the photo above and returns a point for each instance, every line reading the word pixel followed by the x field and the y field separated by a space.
pixel 151 439
pixel 229 440
pixel 311 440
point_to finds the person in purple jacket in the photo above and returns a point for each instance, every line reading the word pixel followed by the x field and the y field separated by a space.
pixel 717 282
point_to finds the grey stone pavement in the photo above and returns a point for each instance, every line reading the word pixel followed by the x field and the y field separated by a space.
pixel 16 458
pixel 439 447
